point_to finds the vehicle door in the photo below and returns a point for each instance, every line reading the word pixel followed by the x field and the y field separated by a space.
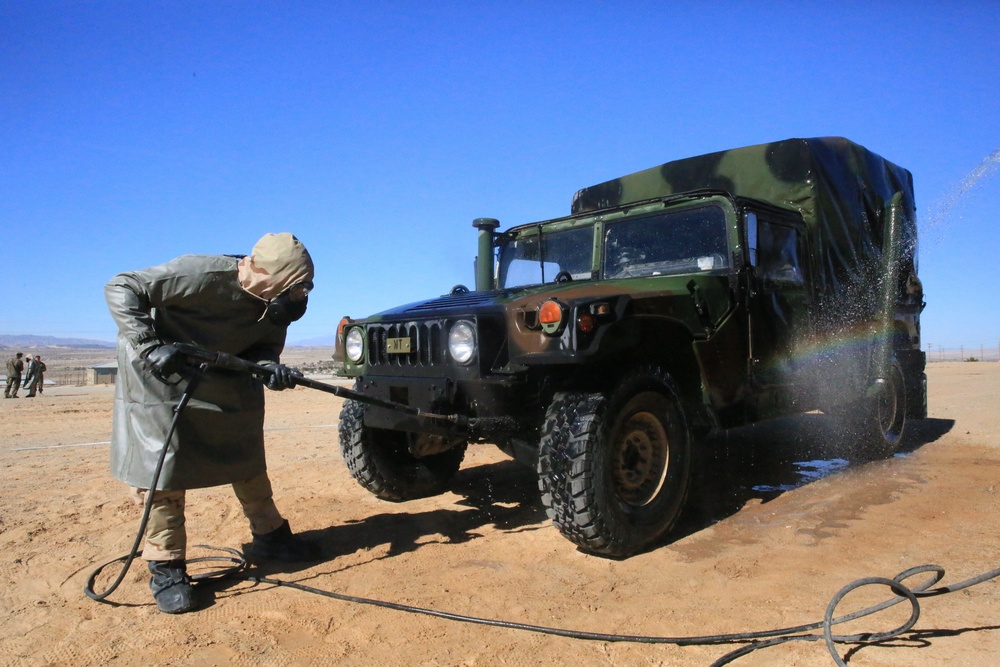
pixel 780 325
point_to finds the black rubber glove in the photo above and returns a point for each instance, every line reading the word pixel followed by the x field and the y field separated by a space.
pixel 165 360
pixel 281 377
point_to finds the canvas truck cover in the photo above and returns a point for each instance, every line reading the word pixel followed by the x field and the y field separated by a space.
pixel 841 189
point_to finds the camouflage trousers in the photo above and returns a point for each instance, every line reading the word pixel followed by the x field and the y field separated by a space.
pixel 166 534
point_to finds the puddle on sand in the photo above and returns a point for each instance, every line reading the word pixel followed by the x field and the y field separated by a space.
pixel 805 471
pixel 809 471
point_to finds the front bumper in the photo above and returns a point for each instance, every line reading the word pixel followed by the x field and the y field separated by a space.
pixel 485 407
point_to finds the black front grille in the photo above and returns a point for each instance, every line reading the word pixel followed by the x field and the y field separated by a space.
pixel 427 344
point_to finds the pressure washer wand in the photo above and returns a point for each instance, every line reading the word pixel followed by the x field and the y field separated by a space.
pixel 234 363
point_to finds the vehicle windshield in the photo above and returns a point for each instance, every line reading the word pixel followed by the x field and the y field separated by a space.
pixel 538 258
pixel 688 241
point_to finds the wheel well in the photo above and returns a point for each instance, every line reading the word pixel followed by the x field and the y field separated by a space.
pixel 664 344
pixel 639 343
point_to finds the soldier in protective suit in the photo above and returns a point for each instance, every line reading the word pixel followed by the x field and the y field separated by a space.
pixel 232 304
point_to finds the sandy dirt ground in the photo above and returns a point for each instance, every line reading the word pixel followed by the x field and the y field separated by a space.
pixel 779 524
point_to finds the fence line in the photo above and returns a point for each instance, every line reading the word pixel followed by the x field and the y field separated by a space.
pixel 962 353
pixel 73 377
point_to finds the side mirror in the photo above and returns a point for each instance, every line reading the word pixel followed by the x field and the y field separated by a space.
pixel 751 231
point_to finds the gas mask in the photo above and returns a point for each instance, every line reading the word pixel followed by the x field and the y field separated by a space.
pixel 290 305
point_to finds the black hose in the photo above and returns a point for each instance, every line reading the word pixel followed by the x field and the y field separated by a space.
pixel 757 640
pixel 88 587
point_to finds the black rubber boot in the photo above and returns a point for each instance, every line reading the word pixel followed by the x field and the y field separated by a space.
pixel 171 586
pixel 282 546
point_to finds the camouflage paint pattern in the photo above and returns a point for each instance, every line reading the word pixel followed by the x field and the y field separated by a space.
pixel 841 189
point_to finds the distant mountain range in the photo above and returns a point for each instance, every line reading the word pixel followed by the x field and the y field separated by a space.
pixel 8 341
pixel 30 341
pixel 318 341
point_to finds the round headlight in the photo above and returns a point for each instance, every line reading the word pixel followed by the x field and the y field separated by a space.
pixel 462 342
pixel 354 345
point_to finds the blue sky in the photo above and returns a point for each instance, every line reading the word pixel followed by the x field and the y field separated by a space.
pixel 134 132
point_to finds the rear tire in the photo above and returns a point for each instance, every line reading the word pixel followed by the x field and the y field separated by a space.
pixel 380 459
pixel 614 472
pixel 876 423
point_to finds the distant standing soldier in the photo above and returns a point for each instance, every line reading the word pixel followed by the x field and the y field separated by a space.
pixel 41 373
pixel 33 378
pixel 14 368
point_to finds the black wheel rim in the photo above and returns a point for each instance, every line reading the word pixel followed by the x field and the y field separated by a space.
pixel 888 407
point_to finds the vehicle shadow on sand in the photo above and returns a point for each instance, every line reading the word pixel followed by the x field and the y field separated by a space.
pixel 730 468
pixel 503 495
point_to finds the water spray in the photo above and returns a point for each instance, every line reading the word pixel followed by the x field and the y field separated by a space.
pixel 975 178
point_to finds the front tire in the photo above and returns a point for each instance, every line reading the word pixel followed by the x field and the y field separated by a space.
pixel 614 472
pixel 381 462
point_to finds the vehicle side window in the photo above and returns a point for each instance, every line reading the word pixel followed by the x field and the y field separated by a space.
pixel 778 253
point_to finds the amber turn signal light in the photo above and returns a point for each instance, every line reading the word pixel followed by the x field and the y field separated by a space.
pixel 550 316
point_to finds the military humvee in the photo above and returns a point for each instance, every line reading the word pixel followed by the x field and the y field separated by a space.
pixel 707 293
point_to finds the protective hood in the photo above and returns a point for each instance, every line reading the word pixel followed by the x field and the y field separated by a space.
pixel 277 262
